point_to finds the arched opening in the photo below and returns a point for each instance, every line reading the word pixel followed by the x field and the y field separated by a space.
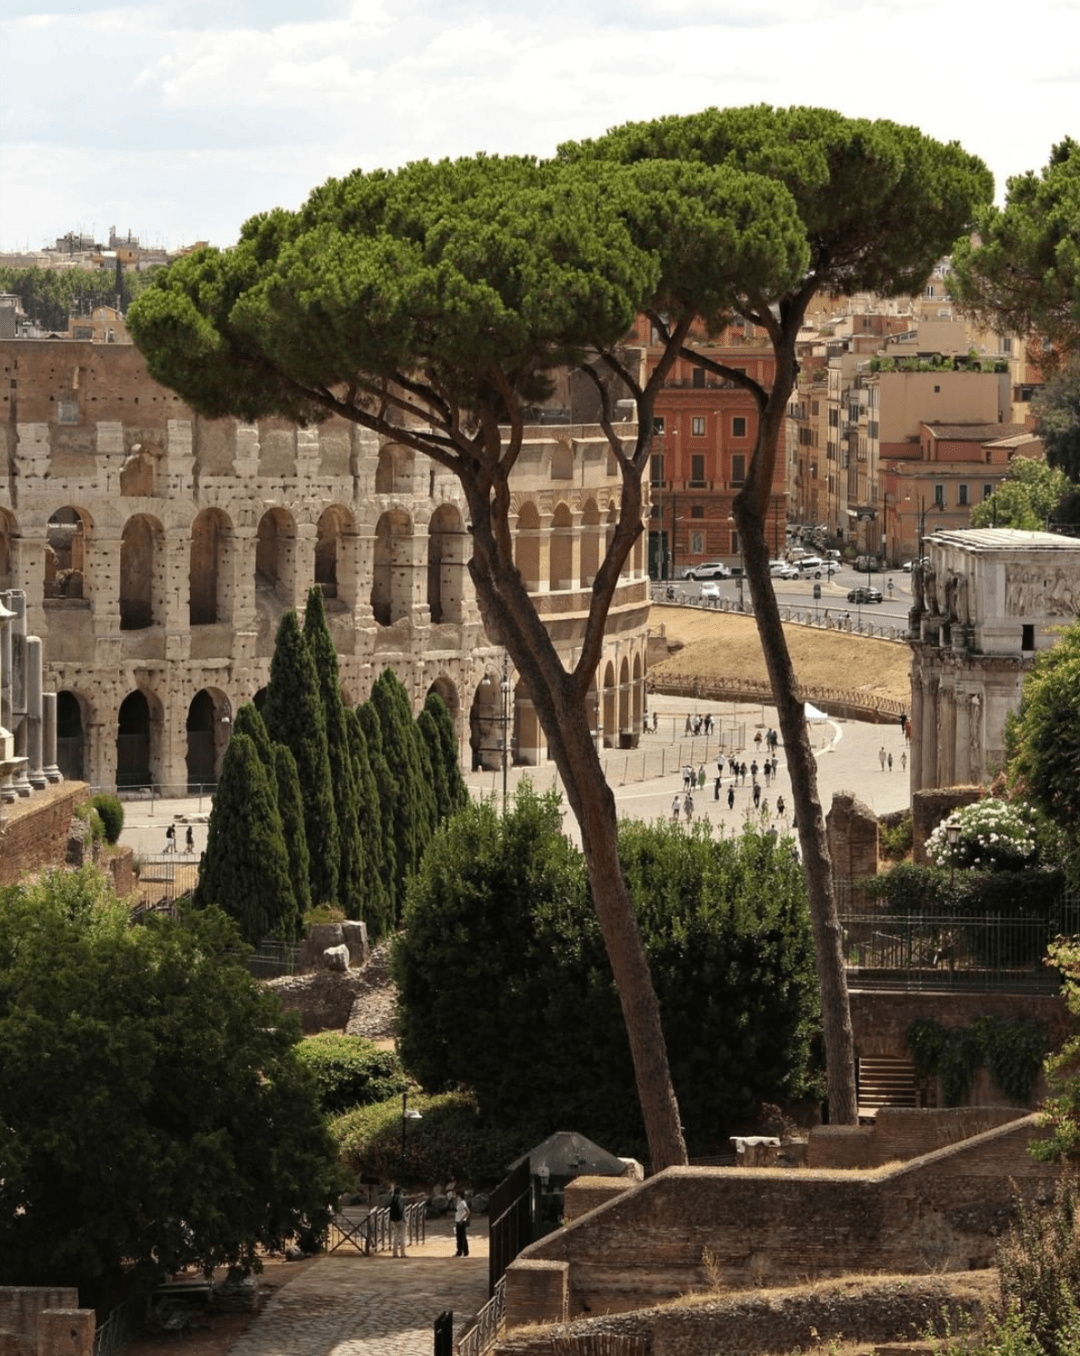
pixel 638 695
pixel 485 723
pixel 590 543
pixel 394 473
pixel 259 699
pixel 211 535
pixel 70 746
pixel 275 554
pixel 335 564
pixel 611 707
pixel 527 545
pixel 446 565
pixel 8 533
pixel 562 549
pixel 391 592
pixel 141 567
pixel 445 688
pixel 624 698
pixel 133 741
pixel 208 729
pixel 65 554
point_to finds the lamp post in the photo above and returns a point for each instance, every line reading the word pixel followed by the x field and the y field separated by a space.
pixel 952 836
pixel 407 1114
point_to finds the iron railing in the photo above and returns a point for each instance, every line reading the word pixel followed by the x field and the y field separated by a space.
pixel 997 952
pixel 123 1325
pixel 487 1326
pixel 372 1233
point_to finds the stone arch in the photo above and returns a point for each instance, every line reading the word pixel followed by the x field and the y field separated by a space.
pixel 138 739
pixel 259 699
pixel 336 562
pixel 394 473
pixel 208 573
pixel 66 535
pixel 561 569
pixel 638 695
pixel 590 543
pixel 275 555
pixel 610 713
pixel 446 688
pixel 446 565
pixel 624 697
pixel 391 591
pixel 527 544
pixel 71 728
pixel 485 722
pixel 208 727
pixel 142 571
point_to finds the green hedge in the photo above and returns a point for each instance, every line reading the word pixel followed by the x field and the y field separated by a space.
pixel 350 1071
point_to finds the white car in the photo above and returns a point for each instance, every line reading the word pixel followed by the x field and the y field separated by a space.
pixel 710 590
pixel 783 569
pixel 712 569
pixel 813 566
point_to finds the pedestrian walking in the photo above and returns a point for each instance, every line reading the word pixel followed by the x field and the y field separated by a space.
pixel 461 1225
pixel 767 768
pixel 397 1223
pixel 754 770
pixel 689 724
pixel 757 739
pixel 742 773
pixel 731 796
pixel 688 807
pixel 757 795
pixel 890 762
pixel 190 840
pixel 701 776
pixel 773 764
pixel 780 807
pixel 881 757
pixel 687 773
pixel 765 807
pixel 676 806
pixel 903 760
pixel 170 838
pixel 716 789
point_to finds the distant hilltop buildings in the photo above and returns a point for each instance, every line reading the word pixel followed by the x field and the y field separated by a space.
pixel 77 250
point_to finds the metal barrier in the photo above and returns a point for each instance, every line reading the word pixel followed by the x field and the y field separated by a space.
pixel 123 1324
pixel 486 1327
pixel 371 1232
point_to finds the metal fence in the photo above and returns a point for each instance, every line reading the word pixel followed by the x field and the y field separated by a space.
pixel 370 1232
pixel 272 958
pixel 979 953
pixel 486 1327
pixel 123 1325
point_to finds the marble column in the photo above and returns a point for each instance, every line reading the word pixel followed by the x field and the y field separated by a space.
pixel 34 772
pixel 48 738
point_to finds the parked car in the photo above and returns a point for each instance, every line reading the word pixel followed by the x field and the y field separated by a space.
pixel 710 590
pixel 813 566
pixel 783 569
pixel 711 569
pixel 865 594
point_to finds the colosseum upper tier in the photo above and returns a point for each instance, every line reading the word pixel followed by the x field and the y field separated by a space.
pixel 158 550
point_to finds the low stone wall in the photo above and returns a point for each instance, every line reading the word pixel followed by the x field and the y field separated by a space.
pixel 901 1133
pixel 34 832
pixel 771 1227
pixel 27 1320
pixel 324 999
pixel 585 1193
pixel 807 1319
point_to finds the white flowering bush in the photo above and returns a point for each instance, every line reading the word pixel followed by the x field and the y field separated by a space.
pixel 995 835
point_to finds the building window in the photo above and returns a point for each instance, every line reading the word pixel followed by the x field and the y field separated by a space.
pixel 68 411
pixel 656 468
pixel 962 495
pixel 988 490
pixel 697 543
pixel 697 510
pixel 939 496
pixel 697 377
pixel 738 468
pixel 697 469
pixel 697 426
pixel 658 425
pixel 738 426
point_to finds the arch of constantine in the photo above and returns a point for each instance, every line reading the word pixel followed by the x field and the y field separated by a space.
pixel 157 551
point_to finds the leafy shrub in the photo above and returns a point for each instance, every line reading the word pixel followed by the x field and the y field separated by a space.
pixel 92 820
pixel 1039 1270
pixel 350 1071
pixel 1011 1048
pixel 895 839
pixel 111 811
pixel 995 835
pixel 320 915
pixel 451 1141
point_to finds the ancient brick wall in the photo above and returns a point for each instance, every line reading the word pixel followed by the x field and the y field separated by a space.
pixel 772 1227
pixel 586 1193
pixel 901 1133
pixel 20 1310
pixel 34 832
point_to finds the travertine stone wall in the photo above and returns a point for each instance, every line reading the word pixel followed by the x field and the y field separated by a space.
pixel 158 551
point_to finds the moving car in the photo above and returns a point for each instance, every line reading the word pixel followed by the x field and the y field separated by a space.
pixel 867 564
pixel 709 591
pixel 865 594
pixel 783 569
pixel 813 566
pixel 711 569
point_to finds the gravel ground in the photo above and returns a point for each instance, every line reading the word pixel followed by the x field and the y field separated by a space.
pixel 375 1010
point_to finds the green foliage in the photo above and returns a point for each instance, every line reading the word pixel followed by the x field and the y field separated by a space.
pixel 1057 421
pixel 383 832
pixel 1060 1114
pixel 350 1071
pixel 995 835
pixel 245 868
pixel 1024 272
pixel 1043 739
pixel 153 1114
pixel 452 1142
pixel 290 803
pixel 436 727
pixel 93 821
pixel 248 721
pixel 501 944
pixel 1027 499
pixel 294 716
pixel 111 813
pixel 373 831
pixel 895 839
pixel 50 296
pixel 1039 1270
pixel 1011 1048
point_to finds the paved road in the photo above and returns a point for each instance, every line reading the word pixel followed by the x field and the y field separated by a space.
pixel 373 1306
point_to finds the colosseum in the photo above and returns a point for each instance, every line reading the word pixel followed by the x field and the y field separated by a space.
pixel 157 551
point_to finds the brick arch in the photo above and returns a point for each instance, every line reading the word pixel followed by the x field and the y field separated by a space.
pixel 211 556
pixel 142 572
pixel 67 539
pixel 336 557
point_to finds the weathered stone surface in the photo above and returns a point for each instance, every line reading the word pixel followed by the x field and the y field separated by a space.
pixel 336 958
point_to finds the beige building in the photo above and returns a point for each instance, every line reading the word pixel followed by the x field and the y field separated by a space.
pixel 158 550
pixel 987 603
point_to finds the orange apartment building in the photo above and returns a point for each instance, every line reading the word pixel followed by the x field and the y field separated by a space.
pixel 705 432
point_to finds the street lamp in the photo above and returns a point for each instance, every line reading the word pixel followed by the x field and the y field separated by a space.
pixel 407 1114
pixel 952 836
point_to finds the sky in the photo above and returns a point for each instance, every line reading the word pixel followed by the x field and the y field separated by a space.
pixel 178 120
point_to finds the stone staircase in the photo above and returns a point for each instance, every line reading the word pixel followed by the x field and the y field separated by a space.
pixel 885 1081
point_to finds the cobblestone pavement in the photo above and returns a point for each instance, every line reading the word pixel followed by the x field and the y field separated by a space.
pixel 373 1306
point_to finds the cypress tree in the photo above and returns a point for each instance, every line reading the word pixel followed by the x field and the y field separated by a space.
pixel 353 867
pixel 433 763
pixel 409 785
pixel 386 802
pixel 245 868
pixel 379 905
pixel 438 733
pixel 291 809
pixel 249 722
pixel 294 717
